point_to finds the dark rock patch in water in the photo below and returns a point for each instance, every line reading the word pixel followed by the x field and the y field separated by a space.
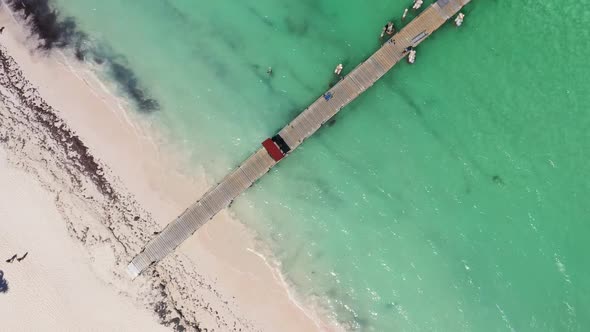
pixel 262 18
pixel 297 27
pixel 456 151
pixel 47 25
pixel 498 179
pixel 407 98
pixel 55 31
pixel 295 75
pixel 129 82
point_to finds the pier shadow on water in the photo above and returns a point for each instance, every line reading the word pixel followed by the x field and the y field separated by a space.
pixel 3 283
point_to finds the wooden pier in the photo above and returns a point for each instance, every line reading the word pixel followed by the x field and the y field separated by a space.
pixel 292 135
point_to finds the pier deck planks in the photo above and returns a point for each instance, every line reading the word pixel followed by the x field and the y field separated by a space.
pixel 308 122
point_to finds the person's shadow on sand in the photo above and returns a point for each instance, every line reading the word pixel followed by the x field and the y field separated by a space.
pixel 3 283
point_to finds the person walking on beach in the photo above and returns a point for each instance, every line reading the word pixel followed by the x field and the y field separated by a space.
pixel 23 257
pixel 15 256
pixel 11 259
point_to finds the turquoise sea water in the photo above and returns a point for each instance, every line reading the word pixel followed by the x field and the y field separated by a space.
pixel 452 196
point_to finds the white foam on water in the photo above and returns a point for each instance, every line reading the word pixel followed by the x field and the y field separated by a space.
pixel 278 276
pixel 562 269
pixel 505 318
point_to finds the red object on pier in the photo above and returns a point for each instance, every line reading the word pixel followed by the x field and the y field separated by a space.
pixel 273 149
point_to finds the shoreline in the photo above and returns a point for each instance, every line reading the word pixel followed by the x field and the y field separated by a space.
pixel 136 162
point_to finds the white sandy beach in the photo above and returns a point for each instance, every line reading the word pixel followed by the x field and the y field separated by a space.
pixel 54 287
pixel 82 224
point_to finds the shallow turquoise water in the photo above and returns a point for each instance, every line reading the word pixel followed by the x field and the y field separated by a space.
pixel 452 196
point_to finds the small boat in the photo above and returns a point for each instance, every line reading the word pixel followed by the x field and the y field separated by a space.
pixel 412 56
pixel 390 28
pixel 417 4
pixel 338 69
pixel 459 19
pixel 405 14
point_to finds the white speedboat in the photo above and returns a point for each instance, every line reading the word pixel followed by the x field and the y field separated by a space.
pixel 417 4
pixel 412 56
pixel 459 19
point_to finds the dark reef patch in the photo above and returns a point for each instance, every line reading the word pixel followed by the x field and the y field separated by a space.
pixel 455 149
pixel 55 31
pixel 47 25
pixel 264 19
pixel 297 27
pixel 295 75
pixel 498 179
pixel 127 79
pixel 407 98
